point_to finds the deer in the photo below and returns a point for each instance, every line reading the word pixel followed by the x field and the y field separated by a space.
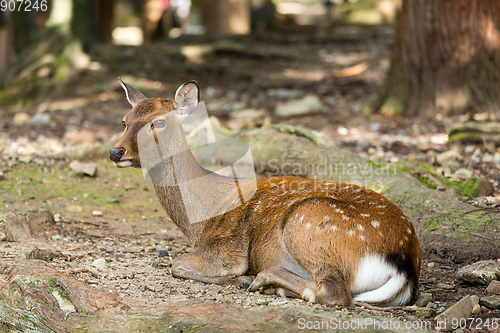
pixel 323 242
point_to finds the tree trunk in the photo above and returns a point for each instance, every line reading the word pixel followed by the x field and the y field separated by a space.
pixel 23 28
pixel 445 59
pixel 227 17
pixel 6 48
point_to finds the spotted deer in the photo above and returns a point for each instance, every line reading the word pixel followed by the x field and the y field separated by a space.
pixel 324 242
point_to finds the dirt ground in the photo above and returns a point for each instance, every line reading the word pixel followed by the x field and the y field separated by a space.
pixel 132 228
pixel 138 268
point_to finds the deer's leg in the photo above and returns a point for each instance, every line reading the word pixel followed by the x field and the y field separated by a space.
pixel 331 290
pixel 193 267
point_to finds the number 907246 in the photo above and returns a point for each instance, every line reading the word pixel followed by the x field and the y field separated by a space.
pixel 23 5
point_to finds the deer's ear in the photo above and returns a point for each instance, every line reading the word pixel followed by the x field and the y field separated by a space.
pixel 134 96
pixel 187 98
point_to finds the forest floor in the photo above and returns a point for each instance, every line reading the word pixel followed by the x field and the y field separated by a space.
pixel 115 215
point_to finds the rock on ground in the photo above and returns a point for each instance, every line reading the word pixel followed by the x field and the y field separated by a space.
pixel 423 299
pixel 459 310
pixel 479 273
pixel 494 287
pixel 491 302
pixel 306 105
pixel 85 168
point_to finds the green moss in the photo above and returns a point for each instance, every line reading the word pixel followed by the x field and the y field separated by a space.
pixel 427 168
pixel 407 197
pixel 465 189
pixel 384 166
pixel 197 327
pixel 427 182
pixel 392 106
pixel 403 169
pixel 117 192
pixel 465 135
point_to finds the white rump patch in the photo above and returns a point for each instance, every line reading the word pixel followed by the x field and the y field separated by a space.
pixel 378 281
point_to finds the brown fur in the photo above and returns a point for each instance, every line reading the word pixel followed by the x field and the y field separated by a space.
pixel 297 234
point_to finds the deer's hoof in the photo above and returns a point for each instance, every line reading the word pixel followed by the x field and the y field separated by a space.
pixel 246 281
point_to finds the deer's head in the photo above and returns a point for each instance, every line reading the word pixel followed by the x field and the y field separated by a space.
pixel 155 119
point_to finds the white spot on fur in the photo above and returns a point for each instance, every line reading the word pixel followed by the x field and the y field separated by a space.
pixel 360 227
pixel 380 206
pixel 345 217
pixel 365 215
pixel 333 228
pixel 333 205
pixel 350 232
pixel 401 242
pixel 361 237
pixel 340 211
pixel 381 234
pixel 309 295
pixel 377 281
pixel 301 218
pixel 408 231
pixel 326 218
pixel 308 225
pixel 123 164
pixel 360 201
pixel 375 223
pixel 406 238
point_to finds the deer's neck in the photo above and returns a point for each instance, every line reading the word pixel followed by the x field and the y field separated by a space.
pixel 189 194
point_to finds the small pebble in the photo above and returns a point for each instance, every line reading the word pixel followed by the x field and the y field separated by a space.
pixel 342 131
pixel 469 149
pixel 431 265
pixel 476 309
pixel 100 263
pixel 374 127
pixel 411 319
pixel 96 213
pixel 494 287
pixel 163 253
pixel 57 217
pixel 446 286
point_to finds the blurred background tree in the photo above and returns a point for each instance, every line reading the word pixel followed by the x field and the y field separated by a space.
pixel 445 59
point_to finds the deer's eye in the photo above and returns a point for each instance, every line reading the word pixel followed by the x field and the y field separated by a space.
pixel 160 123
pixel 123 123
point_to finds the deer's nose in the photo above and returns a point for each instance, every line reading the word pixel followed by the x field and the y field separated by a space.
pixel 116 154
